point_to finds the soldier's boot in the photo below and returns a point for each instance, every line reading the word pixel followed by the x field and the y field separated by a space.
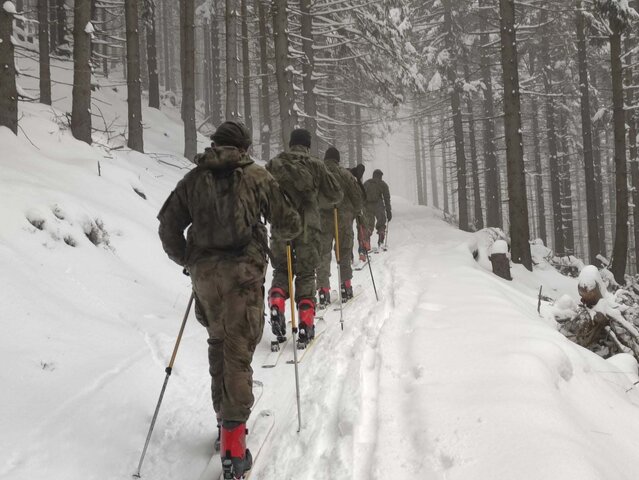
pixel 381 236
pixel 277 306
pixel 362 257
pixel 306 309
pixel 347 291
pixel 236 458
pixel 218 440
pixel 324 295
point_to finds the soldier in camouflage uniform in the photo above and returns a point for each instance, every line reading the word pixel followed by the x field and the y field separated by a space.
pixel 307 182
pixel 378 205
pixel 221 202
pixel 350 207
pixel 363 234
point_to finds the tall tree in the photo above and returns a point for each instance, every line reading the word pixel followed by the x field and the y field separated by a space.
pixel 232 99
pixel 418 162
pixel 246 68
pixel 517 202
pixel 308 69
pixel 81 104
pixel 618 15
pixel 265 98
pixel 286 95
pixel 586 131
pixel 187 27
pixel 151 53
pixel 216 86
pixel 134 95
pixel 8 88
pixel 43 48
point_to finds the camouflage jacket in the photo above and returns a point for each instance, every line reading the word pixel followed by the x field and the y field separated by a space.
pixel 190 205
pixel 377 192
pixel 305 179
pixel 353 200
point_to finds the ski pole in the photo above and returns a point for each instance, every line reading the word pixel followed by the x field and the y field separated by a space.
pixel 289 262
pixel 368 260
pixel 339 269
pixel 168 371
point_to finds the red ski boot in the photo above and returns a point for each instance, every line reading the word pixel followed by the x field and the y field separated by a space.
pixel 236 458
pixel 306 309
pixel 324 295
pixel 347 291
pixel 277 306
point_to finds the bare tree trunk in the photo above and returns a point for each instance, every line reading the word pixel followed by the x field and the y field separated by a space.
pixel 539 183
pixel 216 103
pixel 142 55
pixel 492 184
pixel 517 203
pixel 246 68
pixel 232 98
pixel 422 138
pixel 418 163
pixel 43 48
pixel 433 165
pixel 169 84
pixel 478 222
pixel 598 166
pixel 308 69
pixel 8 88
pixel 359 135
pixel 631 121
pixel 586 130
pixel 188 78
pixel 61 22
pixel 620 250
pixel 81 108
pixel 134 96
pixel 286 95
pixel 206 34
pixel 566 188
pixel 352 161
pixel 151 53
pixel 442 131
pixel 458 124
pixel 265 111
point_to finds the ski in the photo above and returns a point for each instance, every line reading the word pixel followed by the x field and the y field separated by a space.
pixel 320 328
pixel 274 355
pixel 360 266
pixel 357 291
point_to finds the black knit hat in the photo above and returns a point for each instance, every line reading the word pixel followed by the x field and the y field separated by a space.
pixel 358 171
pixel 300 136
pixel 332 153
pixel 378 174
pixel 232 134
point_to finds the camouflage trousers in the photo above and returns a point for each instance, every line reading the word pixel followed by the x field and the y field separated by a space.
pixel 230 304
pixel 305 253
pixel 346 239
pixel 375 217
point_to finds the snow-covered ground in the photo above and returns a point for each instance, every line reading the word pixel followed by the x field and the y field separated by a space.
pixel 451 375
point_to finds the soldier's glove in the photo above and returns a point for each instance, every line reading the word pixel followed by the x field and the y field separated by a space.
pixel 389 216
pixel 186 272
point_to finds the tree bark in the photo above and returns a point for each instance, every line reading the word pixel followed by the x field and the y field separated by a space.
pixel 43 48
pixel 517 203
pixel 567 216
pixel 246 68
pixel 151 53
pixel 308 69
pixel 418 163
pixel 265 98
pixel 442 132
pixel 631 121
pixel 458 123
pixel 620 250
pixel 188 78
pixel 539 183
pixel 169 83
pixel 424 163
pixel 286 95
pixel 592 214
pixel 478 221
pixel 232 99
pixel 433 164
pixel 359 135
pixel 61 22
pixel 216 101
pixel 8 88
pixel 134 94
pixel 81 108
pixel 206 34
pixel 492 186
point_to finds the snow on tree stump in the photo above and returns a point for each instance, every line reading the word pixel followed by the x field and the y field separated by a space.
pixel 499 260
pixel 589 286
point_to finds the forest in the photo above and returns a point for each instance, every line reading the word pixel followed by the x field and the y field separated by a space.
pixel 522 113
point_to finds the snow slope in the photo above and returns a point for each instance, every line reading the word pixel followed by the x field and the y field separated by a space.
pixel 451 375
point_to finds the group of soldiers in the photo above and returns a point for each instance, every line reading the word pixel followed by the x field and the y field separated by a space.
pixel 224 202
